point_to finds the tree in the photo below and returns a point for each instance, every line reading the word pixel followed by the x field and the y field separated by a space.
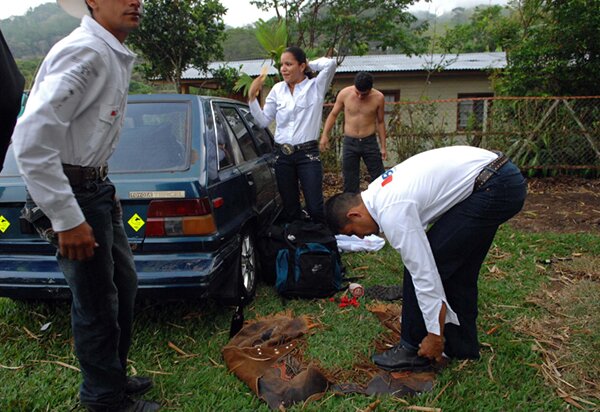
pixel 459 16
pixel 273 38
pixel 558 52
pixel 241 43
pixel 28 69
pixel 33 34
pixel 227 78
pixel 349 26
pixel 489 29
pixel 177 33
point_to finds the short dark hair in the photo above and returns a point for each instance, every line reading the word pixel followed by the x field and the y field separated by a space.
pixel 363 81
pixel 336 209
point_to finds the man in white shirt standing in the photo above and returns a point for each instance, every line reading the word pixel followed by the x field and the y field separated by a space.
pixel 69 129
pixel 465 193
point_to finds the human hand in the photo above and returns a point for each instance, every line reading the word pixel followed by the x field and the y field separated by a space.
pixel 324 143
pixel 432 347
pixel 383 154
pixel 77 243
pixel 257 84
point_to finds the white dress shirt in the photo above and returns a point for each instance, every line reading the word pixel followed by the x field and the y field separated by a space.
pixel 412 195
pixel 298 116
pixel 73 115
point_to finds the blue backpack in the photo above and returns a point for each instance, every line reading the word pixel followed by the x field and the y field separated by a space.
pixel 308 269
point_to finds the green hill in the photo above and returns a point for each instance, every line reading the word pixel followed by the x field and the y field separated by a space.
pixel 33 34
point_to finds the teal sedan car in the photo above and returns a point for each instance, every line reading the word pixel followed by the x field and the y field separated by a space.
pixel 195 179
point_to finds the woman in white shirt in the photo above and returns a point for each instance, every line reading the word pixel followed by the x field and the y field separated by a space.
pixel 296 105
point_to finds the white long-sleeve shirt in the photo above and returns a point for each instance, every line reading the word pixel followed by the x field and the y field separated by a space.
pixel 73 115
pixel 297 116
pixel 410 196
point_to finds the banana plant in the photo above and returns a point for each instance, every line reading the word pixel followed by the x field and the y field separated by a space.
pixel 272 36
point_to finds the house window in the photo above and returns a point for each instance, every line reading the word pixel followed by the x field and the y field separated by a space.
pixel 472 113
pixel 390 96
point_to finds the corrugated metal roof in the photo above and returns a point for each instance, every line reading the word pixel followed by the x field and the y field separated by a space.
pixel 376 63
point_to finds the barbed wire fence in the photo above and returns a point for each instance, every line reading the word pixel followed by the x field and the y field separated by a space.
pixel 540 134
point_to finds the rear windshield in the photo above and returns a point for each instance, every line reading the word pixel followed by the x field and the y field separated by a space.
pixel 155 136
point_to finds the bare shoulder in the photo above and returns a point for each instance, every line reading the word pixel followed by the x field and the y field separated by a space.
pixel 345 92
pixel 377 93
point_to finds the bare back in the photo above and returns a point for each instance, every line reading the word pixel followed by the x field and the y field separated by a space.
pixel 360 113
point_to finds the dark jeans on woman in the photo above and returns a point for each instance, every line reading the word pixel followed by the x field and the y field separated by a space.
pixel 353 150
pixel 460 241
pixel 302 168
pixel 104 290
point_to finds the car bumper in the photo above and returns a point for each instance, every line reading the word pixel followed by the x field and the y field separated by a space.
pixel 170 276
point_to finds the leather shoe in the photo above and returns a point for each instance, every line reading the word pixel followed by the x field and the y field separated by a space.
pixel 138 385
pixel 141 406
pixel 128 405
pixel 399 358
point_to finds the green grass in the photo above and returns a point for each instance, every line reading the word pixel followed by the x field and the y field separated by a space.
pixel 503 380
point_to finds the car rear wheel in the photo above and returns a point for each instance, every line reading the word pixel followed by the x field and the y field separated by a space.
pixel 248 269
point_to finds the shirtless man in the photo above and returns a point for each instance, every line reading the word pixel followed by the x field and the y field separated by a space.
pixel 363 116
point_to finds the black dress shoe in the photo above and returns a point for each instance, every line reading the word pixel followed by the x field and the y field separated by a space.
pixel 400 358
pixel 141 406
pixel 128 405
pixel 138 385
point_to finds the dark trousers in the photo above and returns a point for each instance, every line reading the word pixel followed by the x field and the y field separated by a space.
pixel 302 168
pixel 353 150
pixel 104 290
pixel 460 241
pixel 11 85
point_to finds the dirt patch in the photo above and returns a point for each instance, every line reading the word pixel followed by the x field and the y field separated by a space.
pixel 561 204
pixel 567 336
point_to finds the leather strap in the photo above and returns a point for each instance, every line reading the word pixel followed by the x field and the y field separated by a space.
pixel 79 175
pixel 288 149
pixel 490 170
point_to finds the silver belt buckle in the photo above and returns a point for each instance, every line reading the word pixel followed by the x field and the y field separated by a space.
pixel 287 149
pixel 103 172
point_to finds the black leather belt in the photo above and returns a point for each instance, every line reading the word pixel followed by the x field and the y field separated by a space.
pixel 490 170
pixel 360 138
pixel 79 175
pixel 288 149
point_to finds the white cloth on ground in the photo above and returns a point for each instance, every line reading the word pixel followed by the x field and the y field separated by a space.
pixel 371 243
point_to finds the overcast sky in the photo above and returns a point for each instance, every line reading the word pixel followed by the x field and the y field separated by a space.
pixel 241 12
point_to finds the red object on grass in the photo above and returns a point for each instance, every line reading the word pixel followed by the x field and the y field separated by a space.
pixel 348 302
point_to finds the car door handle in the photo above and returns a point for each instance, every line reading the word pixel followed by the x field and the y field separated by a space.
pixel 250 178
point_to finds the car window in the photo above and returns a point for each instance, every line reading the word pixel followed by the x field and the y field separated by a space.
pixel 242 134
pixel 225 150
pixel 265 142
pixel 154 137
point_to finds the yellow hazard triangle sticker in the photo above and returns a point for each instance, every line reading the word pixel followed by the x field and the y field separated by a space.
pixel 136 222
pixel 4 224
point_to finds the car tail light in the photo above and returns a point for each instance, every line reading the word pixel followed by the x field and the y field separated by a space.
pixel 180 218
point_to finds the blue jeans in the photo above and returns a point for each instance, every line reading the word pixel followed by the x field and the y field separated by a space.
pixel 303 166
pixel 460 241
pixel 104 290
pixel 352 151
